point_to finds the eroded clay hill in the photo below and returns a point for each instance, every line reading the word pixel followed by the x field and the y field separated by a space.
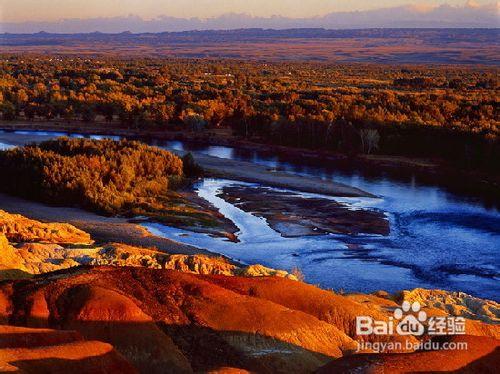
pixel 169 321
pixel 52 351
pixel 481 356
pixel 18 228
pixel 68 304
pixel 29 247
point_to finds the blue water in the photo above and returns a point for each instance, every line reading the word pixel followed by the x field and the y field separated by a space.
pixel 438 239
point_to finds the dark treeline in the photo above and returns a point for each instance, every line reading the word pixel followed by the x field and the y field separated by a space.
pixel 444 112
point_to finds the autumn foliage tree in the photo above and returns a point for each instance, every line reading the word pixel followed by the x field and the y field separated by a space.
pixel 447 112
pixel 102 175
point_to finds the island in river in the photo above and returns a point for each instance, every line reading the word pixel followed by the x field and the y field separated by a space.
pixel 294 215
pixel 339 220
pixel 437 239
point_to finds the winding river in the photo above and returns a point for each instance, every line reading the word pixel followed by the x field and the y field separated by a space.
pixel 438 239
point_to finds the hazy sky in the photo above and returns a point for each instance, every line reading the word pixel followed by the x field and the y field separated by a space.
pixel 51 10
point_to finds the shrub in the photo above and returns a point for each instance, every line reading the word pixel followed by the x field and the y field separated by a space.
pixel 298 274
pixel 191 168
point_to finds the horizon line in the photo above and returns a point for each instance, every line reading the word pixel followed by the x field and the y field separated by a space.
pixel 128 32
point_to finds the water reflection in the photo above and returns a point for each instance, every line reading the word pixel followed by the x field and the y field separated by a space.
pixel 438 239
pixel 422 251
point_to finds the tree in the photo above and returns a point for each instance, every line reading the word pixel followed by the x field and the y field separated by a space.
pixel 369 139
pixel 8 111
pixel 88 114
pixel 163 113
pixel 214 111
pixel 195 122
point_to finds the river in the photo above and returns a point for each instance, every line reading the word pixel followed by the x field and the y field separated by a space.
pixel 438 239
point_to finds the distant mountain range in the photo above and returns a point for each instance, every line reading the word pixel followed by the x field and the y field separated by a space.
pixel 445 16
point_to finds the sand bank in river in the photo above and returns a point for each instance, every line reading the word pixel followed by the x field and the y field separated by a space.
pixel 253 173
pixel 296 215
pixel 237 170
pixel 102 229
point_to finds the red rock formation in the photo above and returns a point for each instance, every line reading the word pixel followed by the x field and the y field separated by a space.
pixel 18 228
pixel 481 356
pixel 327 306
pixel 143 312
pixel 169 321
pixel 52 351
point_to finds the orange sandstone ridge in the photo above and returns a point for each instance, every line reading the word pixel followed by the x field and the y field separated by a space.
pixel 114 308
pixel 30 247
pixel 157 319
pixel 18 228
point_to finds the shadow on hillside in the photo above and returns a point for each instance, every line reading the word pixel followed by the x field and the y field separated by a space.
pixel 486 364
pixel 146 346
pixel 205 349
pixel 480 356
pixel 106 363
pixel 12 274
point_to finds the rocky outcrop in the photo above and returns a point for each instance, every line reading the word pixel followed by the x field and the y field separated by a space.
pixel 454 303
pixel 11 266
pixel 474 323
pixel 52 351
pixel 37 258
pixel 106 314
pixel 479 355
pixel 327 306
pixel 124 255
pixel 258 270
pixel 18 228
pixel 160 319
pixel 164 320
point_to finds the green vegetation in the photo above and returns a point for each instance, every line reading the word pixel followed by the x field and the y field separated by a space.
pixel 443 111
pixel 109 177
pixel 190 167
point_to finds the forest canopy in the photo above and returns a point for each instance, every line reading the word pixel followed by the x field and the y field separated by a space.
pixel 448 112
pixel 101 175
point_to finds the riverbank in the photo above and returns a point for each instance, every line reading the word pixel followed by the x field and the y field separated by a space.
pixel 466 182
pixel 232 169
pixel 102 229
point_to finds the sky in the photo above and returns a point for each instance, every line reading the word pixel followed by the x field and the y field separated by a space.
pixel 53 10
